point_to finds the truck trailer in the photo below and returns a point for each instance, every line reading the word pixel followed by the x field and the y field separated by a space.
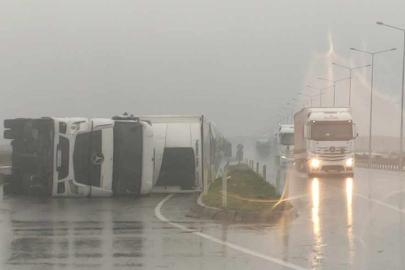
pixel 189 152
pixel 324 141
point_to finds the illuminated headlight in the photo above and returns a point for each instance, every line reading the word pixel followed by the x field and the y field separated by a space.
pixel 75 127
pixel 315 163
pixel 349 162
pixel 283 157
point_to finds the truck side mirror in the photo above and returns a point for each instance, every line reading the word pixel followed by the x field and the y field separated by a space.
pixel 355 131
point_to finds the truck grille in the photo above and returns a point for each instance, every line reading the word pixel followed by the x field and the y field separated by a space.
pixel 332 153
pixel 332 157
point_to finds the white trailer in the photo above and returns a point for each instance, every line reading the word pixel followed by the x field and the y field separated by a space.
pixel 189 152
pixel 79 157
pixel 324 140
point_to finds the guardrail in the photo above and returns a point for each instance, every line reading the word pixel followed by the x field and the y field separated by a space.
pixel 381 165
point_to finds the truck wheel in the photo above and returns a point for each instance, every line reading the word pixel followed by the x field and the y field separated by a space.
pixel 9 134
pixel 14 123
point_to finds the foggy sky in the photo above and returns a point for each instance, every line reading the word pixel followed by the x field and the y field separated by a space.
pixel 236 61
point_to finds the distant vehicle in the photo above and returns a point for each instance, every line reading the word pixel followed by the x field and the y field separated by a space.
pixel 284 144
pixel 64 157
pixel 324 140
pixel 263 147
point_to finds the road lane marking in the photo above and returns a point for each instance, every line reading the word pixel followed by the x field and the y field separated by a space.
pixel 367 198
pixel 380 203
pixel 162 218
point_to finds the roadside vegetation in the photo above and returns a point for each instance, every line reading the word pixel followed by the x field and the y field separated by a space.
pixel 247 191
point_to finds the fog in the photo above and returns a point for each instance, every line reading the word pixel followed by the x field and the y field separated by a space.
pixel 237 62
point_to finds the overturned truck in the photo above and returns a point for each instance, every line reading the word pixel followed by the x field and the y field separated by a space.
pixel 65 157
pixel 190 152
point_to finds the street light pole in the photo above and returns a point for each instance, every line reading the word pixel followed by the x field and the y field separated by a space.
pixel 297 100
pixel 350 86
pixel 334 87
pixel 310 96
pixel 292 112
pixel 370 161
pixel 320 92
pixel 401 133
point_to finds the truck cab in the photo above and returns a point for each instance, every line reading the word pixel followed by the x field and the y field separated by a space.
pixel 78 157
pixel 284 144
pixel 325 140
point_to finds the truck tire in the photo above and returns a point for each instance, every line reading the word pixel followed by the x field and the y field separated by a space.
pixel 9 134
pixel 14 123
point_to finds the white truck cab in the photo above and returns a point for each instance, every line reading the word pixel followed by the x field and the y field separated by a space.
pixel 324 140
pixel 75 156
pixel 284 144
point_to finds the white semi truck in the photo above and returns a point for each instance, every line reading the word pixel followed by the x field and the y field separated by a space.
pixel 324 140
pixel 77 157
pixel 284 144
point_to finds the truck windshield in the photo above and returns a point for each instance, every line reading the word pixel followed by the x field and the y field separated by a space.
pixel 331 131
pixel 287 138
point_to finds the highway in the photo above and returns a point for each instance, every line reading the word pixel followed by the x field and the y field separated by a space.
pixel 342 224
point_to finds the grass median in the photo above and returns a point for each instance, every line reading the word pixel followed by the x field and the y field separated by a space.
pixel 247 191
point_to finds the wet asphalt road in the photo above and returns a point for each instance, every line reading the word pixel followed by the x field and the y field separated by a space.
pixel 342 224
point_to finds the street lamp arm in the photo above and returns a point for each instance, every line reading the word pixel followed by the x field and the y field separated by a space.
pixel 324 79
pixel 390 26
pixel 304 94
pixel 341 66
pixel 392 49
pixel 361 67
pixel 343 79
pixel 354 49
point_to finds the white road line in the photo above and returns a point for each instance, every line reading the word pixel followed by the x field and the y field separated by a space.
pixel 370 199
pixel 380 203
pixel 159 215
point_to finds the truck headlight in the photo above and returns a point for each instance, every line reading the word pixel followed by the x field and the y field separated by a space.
pixel 315 163
pixel 349 162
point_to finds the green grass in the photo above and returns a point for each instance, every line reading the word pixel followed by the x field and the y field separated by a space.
pixel 247 191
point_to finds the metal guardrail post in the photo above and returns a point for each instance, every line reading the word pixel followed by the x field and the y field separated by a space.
pixel 224 188
pixel 264 172
pixel 205 191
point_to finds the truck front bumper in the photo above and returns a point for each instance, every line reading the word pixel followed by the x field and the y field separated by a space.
pixel 330 167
